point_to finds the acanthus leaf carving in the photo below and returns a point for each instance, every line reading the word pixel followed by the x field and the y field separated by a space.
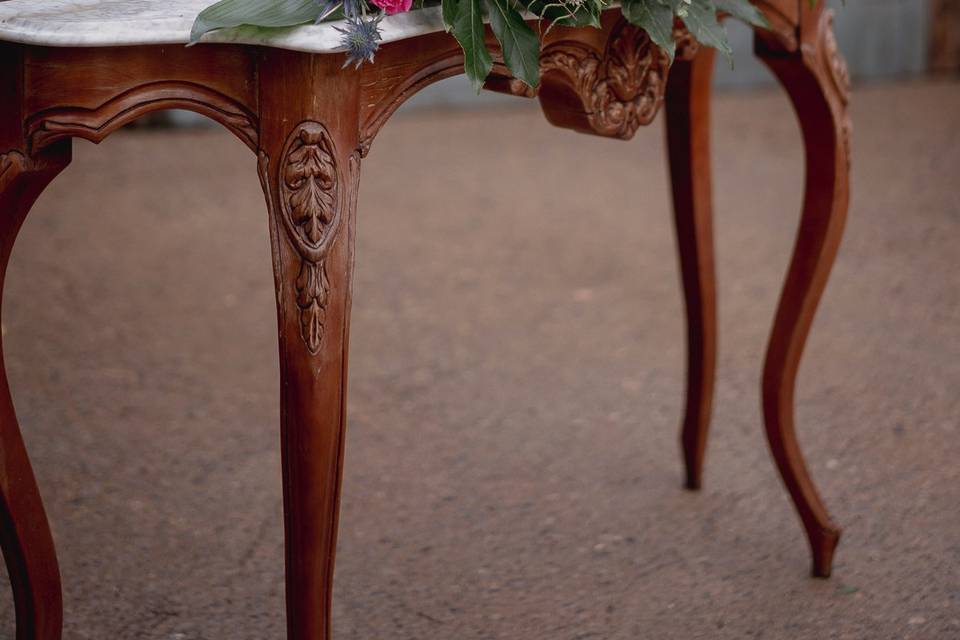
pixel 620 90
pixel 309 188
pixel 312 290
pixel 12 163
pixel 836 69
pixel 311 197
pixel 833 59
pixel 687 46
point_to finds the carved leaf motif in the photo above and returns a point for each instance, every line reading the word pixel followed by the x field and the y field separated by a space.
pixel 312 290
pixel 11 163
pixel 626 67
pixel 687 45
pixel 310 201
pixel 310 176
pixel 839 74
pixel 620 91
pixel 836 65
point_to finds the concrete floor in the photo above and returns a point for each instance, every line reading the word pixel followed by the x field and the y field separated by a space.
pixel 512 468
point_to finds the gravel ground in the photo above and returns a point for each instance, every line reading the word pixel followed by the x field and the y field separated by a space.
pixel 512 468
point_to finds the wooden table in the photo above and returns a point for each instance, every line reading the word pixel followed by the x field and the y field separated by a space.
pixel 85 68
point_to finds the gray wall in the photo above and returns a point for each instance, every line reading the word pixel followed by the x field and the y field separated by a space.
pixel 879 38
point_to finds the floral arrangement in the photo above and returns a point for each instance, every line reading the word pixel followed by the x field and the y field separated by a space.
pixel 360 20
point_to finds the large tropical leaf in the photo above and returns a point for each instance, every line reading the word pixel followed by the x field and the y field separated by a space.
pixel 743 10
pixel 521 46
pixel 584 14
pixel 260 13
pixel 701 19
pixel 654 17
pixel 464 19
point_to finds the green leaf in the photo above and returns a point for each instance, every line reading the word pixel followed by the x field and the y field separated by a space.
pixel 521 46
pixel 464 19
pixel 259 13
pixel 701 20
pixel 654 17
pixel 586 14
pixel 743 10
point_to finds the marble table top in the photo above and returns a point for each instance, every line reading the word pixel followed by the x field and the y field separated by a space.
pixel 101 23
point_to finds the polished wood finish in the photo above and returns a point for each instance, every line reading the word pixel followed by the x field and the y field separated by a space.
pixel 309 122
pixel 818 84
pixel 309 168
pixel 116 85
pixel 945 36
pixel 24 532
pixel 688 147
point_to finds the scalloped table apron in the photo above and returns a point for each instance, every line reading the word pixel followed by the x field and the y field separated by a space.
pixel 84 68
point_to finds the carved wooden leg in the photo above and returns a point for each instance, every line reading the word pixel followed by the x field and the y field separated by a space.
pixel 309 167
pixel 688 144
pixel 24 533
pixel 817 81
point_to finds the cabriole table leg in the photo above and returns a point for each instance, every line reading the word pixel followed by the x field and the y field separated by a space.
pixel 309 168
pixel 24 532
pixel 688 147
pixel 816 79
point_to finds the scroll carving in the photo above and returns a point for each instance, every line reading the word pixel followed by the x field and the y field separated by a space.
pixel 312 195
pixel 835 67
pixel 783 20
pixel 96 124
pixel 687 45
pixel 433 69
pixel 620 90
pixel 12 163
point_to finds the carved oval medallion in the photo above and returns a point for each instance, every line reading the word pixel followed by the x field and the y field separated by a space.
pixel 309 190
pixel 310 207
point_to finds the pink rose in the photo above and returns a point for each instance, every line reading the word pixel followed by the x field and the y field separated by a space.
pixel 393 6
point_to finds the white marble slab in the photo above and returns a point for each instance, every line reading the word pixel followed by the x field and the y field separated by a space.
pixel 101 23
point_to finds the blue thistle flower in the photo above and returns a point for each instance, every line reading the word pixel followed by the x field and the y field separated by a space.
pixel 361 39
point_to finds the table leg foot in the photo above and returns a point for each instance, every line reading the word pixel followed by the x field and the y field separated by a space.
pixel 24 532
pixel 688 145
pixel 816 79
